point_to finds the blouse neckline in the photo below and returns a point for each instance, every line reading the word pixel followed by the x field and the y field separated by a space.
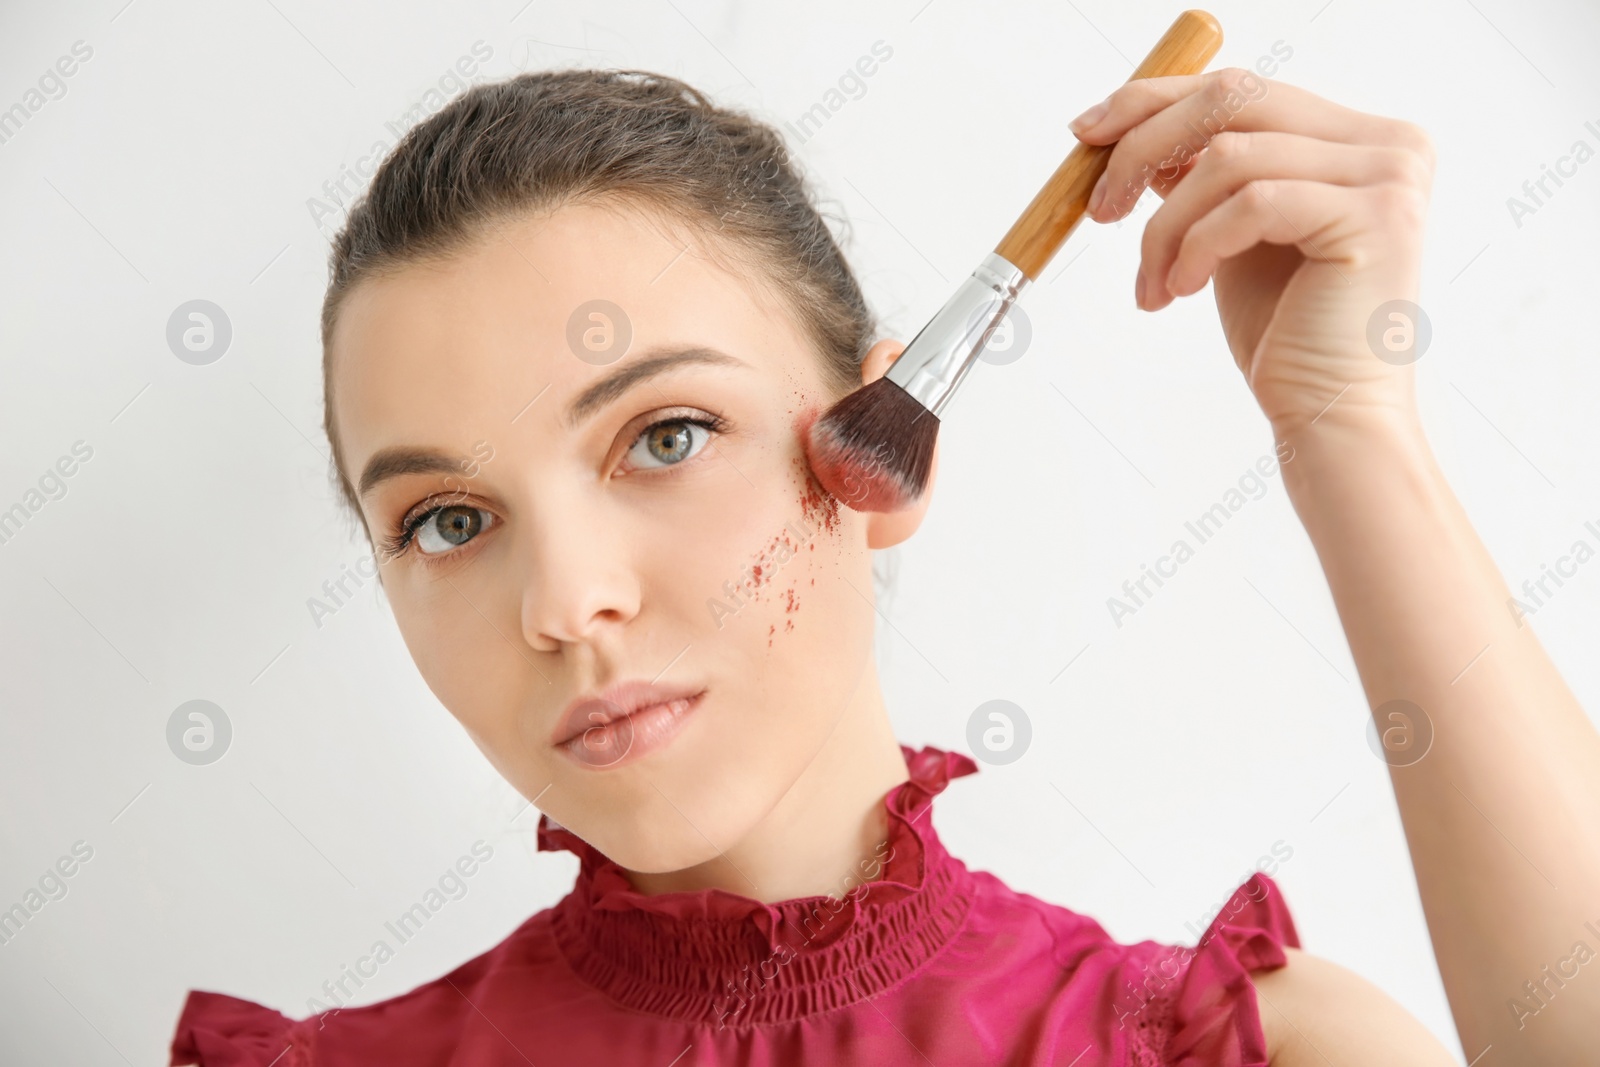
pixel 715 957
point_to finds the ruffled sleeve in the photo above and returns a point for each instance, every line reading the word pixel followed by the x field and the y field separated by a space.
pixel 216 1030
pixel 1214 1020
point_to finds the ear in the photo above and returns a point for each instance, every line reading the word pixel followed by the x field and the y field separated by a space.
pixel 888 528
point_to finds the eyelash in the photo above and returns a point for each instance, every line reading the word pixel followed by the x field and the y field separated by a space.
pixel 399 540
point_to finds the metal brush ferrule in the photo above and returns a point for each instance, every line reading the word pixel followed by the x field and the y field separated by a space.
pixel 943 351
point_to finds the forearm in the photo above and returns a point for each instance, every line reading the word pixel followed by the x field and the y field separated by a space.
pixel 1502 815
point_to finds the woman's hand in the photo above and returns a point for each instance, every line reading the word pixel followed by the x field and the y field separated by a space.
pixel 1308 216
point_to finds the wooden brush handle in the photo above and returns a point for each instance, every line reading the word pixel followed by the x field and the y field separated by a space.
pixel 1185 48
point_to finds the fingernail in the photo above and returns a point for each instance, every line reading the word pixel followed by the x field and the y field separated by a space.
pixel 1138 290
pixel 1089 118
pixel 1097 197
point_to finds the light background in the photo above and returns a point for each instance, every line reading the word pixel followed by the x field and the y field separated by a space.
pixel 1223 718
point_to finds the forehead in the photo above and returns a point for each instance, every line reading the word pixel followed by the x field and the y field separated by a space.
pixel 443 349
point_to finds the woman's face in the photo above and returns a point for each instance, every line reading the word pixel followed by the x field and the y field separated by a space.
pixel 562 515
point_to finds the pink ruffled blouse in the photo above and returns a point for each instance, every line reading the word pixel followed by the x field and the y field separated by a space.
pixel 929 962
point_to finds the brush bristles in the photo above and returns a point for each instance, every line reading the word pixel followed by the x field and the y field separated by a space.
pixel 874 448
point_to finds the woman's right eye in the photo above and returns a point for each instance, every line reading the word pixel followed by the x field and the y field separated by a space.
pixel 448 528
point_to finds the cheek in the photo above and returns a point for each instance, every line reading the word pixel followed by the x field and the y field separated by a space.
pixel 763 576
pixel 456 652
pixel 713 565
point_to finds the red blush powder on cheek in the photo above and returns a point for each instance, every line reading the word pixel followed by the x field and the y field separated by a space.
pixel 820 507
pixel 820 512
pixel 861 483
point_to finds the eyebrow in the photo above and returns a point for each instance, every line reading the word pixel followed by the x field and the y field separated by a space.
pixel 394 462
pixel 656 361
pixel 401 460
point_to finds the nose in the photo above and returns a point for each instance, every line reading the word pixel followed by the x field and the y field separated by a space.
pixel 579 579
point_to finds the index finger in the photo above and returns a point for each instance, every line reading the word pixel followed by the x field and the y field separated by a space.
pixel 1161 124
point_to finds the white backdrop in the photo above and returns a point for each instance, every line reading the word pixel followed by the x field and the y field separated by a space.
pixel 186 157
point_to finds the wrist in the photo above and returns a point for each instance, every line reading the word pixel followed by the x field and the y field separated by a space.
pixel 1342 451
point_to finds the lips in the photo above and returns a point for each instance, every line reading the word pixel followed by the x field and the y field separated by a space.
pixel 615 701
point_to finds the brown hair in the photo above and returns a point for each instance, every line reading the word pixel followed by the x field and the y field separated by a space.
pixel 539 140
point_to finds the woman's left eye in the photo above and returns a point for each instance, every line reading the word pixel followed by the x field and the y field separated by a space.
pixel 669 442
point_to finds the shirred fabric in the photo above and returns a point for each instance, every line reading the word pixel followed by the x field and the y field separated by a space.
pixel 925 960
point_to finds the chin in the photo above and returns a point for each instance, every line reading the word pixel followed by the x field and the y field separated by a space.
pixel 657 849
pixel 708 814
pixel 690 802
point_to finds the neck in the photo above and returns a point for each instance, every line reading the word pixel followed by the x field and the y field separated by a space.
pixel 825 831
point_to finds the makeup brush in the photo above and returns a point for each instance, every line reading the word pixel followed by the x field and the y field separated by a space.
pixel 873 448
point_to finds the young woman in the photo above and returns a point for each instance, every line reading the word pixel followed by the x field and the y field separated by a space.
pixel 571 338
